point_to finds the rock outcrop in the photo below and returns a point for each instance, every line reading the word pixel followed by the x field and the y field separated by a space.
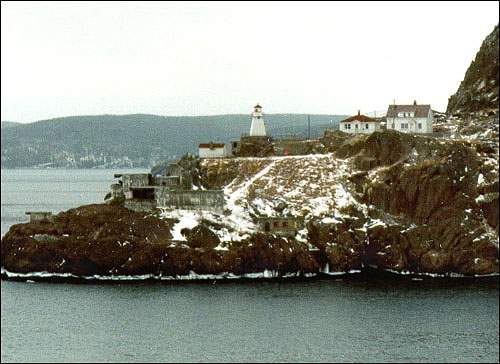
pixel 388 200
pixel 108 240
pixel 433 186
pixel 479 88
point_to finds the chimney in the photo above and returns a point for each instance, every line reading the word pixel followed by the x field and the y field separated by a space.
pixel 415 102
pixel 359 112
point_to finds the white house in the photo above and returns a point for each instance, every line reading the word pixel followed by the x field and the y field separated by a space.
pixel 212 150
pixel 410 118
pixel 257 128
pixel 359 124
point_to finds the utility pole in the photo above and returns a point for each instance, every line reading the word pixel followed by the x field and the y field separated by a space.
pixel 308 127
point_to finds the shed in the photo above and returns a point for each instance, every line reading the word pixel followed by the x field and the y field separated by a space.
pixel 36 216
pixel 282 225
pixel 212 150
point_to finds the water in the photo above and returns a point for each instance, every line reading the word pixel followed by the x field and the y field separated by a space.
pixel 51 190
pixel 317 320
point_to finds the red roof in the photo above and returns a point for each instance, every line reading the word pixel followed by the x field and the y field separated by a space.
pixel 211 145
pixel 362 118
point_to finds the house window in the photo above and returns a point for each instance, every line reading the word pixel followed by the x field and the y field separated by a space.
pixel 276 224
pixel 366 126
pixel 420 125
pixel 285 224
pixel 356 126
pixel 401 114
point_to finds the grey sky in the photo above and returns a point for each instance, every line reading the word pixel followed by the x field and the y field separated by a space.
pixel 61 59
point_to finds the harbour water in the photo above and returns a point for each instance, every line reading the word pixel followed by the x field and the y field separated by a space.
pixel 318 320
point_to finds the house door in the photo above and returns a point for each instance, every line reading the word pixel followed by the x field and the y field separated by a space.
pixel 267 227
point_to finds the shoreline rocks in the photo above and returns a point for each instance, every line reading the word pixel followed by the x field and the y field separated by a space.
pixel 422 205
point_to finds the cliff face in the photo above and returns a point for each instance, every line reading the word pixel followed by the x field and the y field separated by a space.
pixel 479 88
pixel 387 200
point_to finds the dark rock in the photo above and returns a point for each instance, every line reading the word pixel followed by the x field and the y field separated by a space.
pixel 479 89
pixel 201 237
pixel 489 206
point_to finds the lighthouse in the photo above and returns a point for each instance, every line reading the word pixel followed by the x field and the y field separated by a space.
pixel 258 128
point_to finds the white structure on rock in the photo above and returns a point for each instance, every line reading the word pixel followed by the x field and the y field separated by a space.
pixel 212 150
pixel 410 118
pixel 258 128
pixel 359 124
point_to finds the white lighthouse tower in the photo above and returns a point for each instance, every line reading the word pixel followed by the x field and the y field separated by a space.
pixel 258 128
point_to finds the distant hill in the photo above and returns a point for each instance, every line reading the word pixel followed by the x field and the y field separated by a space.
pixel 9 124
pixel 479 89
pixel 138 140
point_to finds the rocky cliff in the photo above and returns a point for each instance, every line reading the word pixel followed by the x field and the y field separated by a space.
pixel 479 88
pixel 388 201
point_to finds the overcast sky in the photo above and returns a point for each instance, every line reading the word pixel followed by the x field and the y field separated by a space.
pixel 61 59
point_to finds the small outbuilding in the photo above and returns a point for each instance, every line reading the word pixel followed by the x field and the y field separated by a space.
pixel 281 226
pixel 38 216
pixel 212 150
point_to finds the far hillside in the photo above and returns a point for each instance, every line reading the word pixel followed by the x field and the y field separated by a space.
pixel 9 124
pixel 138 140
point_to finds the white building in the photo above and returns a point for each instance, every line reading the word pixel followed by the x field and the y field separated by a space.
pixel 359 124
pixel 212 150
pixel 257 128
pixel 410 118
